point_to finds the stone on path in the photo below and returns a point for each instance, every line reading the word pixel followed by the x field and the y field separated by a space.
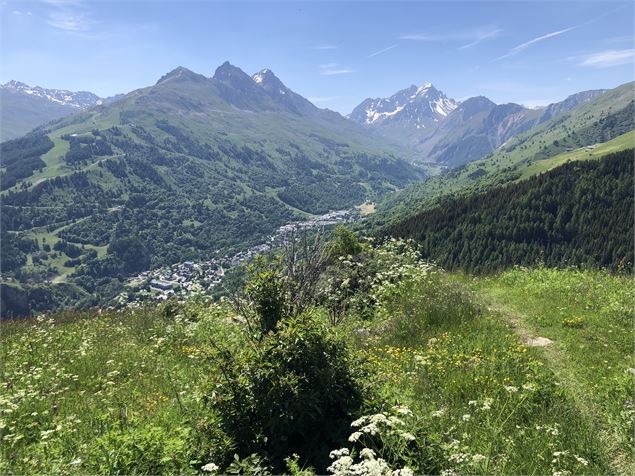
pixel 539 342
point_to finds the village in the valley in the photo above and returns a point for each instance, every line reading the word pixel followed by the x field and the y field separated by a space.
pixel 182 280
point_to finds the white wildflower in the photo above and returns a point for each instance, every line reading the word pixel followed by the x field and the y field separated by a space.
pixel 209 468
pixel 581 460
pixel 408 436
pixel 403 472
pixel 466 417
pixel 438 413
pixel 338 453
pixel 367 453
pixel 355 436
pixel 403 410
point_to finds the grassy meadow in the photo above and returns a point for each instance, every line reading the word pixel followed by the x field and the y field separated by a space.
pixel 449 378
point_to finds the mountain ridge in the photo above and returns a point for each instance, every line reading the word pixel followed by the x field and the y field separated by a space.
pixel 459 132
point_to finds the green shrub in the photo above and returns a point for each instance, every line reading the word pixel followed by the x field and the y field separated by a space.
pixel 293 393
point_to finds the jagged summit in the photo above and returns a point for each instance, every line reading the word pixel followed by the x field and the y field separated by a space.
pixel 229 72
pixel 181 73
pixel 270 82
pixel 417 105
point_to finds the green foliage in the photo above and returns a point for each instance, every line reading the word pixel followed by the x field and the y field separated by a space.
pixel 344 242
pixel 266 291
pixel 579 214
pixel 293 394
pixel 132 253
pixel 439 376
pixel 249 465
pixel 21 157
pixel 146 450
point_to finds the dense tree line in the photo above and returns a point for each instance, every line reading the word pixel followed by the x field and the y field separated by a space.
pixel 21 157
pixel 84 148
pixel 578 214
pixel 13 251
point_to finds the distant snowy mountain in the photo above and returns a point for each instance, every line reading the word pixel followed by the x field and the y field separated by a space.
pixel 414 107
pixel 445 131
pixel 79 99
pixel 25 107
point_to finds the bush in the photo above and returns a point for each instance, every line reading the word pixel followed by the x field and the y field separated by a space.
pixel 294 393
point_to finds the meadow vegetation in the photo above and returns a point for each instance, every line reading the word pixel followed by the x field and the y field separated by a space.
pixel 388 366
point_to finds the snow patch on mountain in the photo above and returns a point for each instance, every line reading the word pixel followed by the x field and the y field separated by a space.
pixel 79 100
pixel 415 105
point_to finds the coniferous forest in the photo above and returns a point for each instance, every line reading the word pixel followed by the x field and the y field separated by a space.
pixel 579 214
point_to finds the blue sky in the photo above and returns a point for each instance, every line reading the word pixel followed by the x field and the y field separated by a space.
pixel 334 53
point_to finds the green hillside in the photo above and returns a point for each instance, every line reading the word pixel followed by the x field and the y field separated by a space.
pixel 580 213
pixel 412 369
pixel 186 169
pixel 600 120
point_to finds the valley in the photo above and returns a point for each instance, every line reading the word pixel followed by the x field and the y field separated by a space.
pixel 213 274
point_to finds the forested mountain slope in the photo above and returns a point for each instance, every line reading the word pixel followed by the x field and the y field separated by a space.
pixel 579 214
pixel 180 170
pixel 607 119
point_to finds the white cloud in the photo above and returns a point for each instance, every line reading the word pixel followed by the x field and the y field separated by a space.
pixel 331 69
pixel 332 72
pixel 473 36
pixel 517 49
pixel 606 59
pixel 383 50
pixel 482 36
pixel 326 47
pixel 68 21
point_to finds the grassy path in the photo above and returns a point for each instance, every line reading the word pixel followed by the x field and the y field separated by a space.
pixel 531 314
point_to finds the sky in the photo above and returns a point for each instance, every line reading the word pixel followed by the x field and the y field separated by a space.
pixel 334 53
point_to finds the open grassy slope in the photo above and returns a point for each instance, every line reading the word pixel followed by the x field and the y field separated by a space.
pixel 133 391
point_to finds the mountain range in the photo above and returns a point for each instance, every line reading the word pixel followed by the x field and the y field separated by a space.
pixel 193 166
pixel 453 133
pixel 182 169
pixel 25 107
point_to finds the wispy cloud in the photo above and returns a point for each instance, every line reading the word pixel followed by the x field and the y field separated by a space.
pixel 69 21
pixel 20 12
pixel 333 72
pixel 517 49
pixel 326 47
pixel 473 36
pixel 332 69
pixel 606 59
pixel 383 50
pixel 482 36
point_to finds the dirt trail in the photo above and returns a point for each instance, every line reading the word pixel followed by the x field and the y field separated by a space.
pixel 558 362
